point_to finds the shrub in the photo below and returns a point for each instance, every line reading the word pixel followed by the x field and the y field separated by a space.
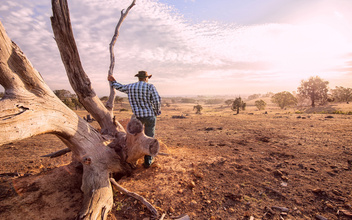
pixel 260 104
pixel 238 104
pixel 284 99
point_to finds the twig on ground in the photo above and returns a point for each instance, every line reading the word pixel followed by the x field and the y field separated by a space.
pixel 134 195
pixel 275 191
pixel 58 153
pixel 162 217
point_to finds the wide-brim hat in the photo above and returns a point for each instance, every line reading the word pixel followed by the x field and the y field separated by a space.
pixel 143 74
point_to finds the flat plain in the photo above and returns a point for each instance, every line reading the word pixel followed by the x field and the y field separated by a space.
pixel 269 164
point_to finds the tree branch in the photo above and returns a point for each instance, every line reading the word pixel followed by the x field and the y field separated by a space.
pixel 79 80
pixel 110 103
pixel 136 196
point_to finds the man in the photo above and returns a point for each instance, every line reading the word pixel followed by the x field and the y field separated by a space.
pixel 145 102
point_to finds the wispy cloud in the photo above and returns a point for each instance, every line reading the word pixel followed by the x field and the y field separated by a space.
pixel 184 56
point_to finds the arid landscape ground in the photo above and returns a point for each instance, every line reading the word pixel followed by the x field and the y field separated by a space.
pixel 278 165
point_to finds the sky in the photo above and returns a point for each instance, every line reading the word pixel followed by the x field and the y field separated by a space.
pixel 193 47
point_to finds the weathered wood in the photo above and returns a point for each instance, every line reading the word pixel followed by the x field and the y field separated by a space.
pixel 110 103
pixel 30 108
pixel 78 79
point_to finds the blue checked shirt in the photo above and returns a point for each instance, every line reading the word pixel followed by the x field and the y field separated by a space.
pixel 143 97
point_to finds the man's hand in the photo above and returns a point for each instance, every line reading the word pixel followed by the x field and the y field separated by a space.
pixel 111 78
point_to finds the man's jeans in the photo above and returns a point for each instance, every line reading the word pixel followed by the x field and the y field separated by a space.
pixel 149 125
pixel 149 130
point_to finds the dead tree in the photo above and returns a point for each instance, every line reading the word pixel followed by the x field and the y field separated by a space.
pixel 30 108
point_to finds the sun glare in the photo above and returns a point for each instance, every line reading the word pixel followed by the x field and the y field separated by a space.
pixel 308 48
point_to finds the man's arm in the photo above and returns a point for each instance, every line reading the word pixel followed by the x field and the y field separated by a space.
pixel 116 85
pixel 156 101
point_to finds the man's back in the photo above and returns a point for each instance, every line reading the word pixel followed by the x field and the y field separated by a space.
pixel 143 97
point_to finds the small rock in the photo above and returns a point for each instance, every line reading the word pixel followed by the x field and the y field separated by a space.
pixel 319 217
pixel 281 209
pixel 231 210
pixel 157 165
pixel 278 173
pixel 284 178
pixel 345 212
pixel 171 210
pixel 198 174
pixel 194 203
pixel 192 184
pixel 183 217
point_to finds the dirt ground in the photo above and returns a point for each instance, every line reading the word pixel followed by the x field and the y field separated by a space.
pixel 278 165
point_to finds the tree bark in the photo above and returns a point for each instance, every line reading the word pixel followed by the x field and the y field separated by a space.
pixel 30 108
pixel 79 80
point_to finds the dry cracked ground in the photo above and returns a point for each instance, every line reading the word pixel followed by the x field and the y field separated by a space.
pixel 219 165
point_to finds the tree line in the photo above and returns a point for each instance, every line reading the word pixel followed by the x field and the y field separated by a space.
pixel 314 91
pixel 72 102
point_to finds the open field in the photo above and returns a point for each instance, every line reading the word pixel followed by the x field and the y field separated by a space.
pixel 220 166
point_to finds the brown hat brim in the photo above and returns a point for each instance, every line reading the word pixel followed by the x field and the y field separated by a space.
pixel 143 76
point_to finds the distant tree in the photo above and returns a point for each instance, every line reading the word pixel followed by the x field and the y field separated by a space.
pixel 198 109
pixel 104 98
pixel 188 100
pixel 63 94
pixel 244 105
pixel 214 101
pixel 315 89
pixel 118 99
pixel 284 99
pixel 68 98
pixel 76 103
pixel 254 96
pixel 260 104
pixel 269 94
pixel 238 104
pixel 342 94
pixel 229 102
pixel 69 103
pixel 1 94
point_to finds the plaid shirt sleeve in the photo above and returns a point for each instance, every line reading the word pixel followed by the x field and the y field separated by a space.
pixel 155 100
pixel 120 87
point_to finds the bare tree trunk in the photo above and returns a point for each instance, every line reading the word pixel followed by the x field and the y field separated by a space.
pixel 79 80
pixel 30 108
